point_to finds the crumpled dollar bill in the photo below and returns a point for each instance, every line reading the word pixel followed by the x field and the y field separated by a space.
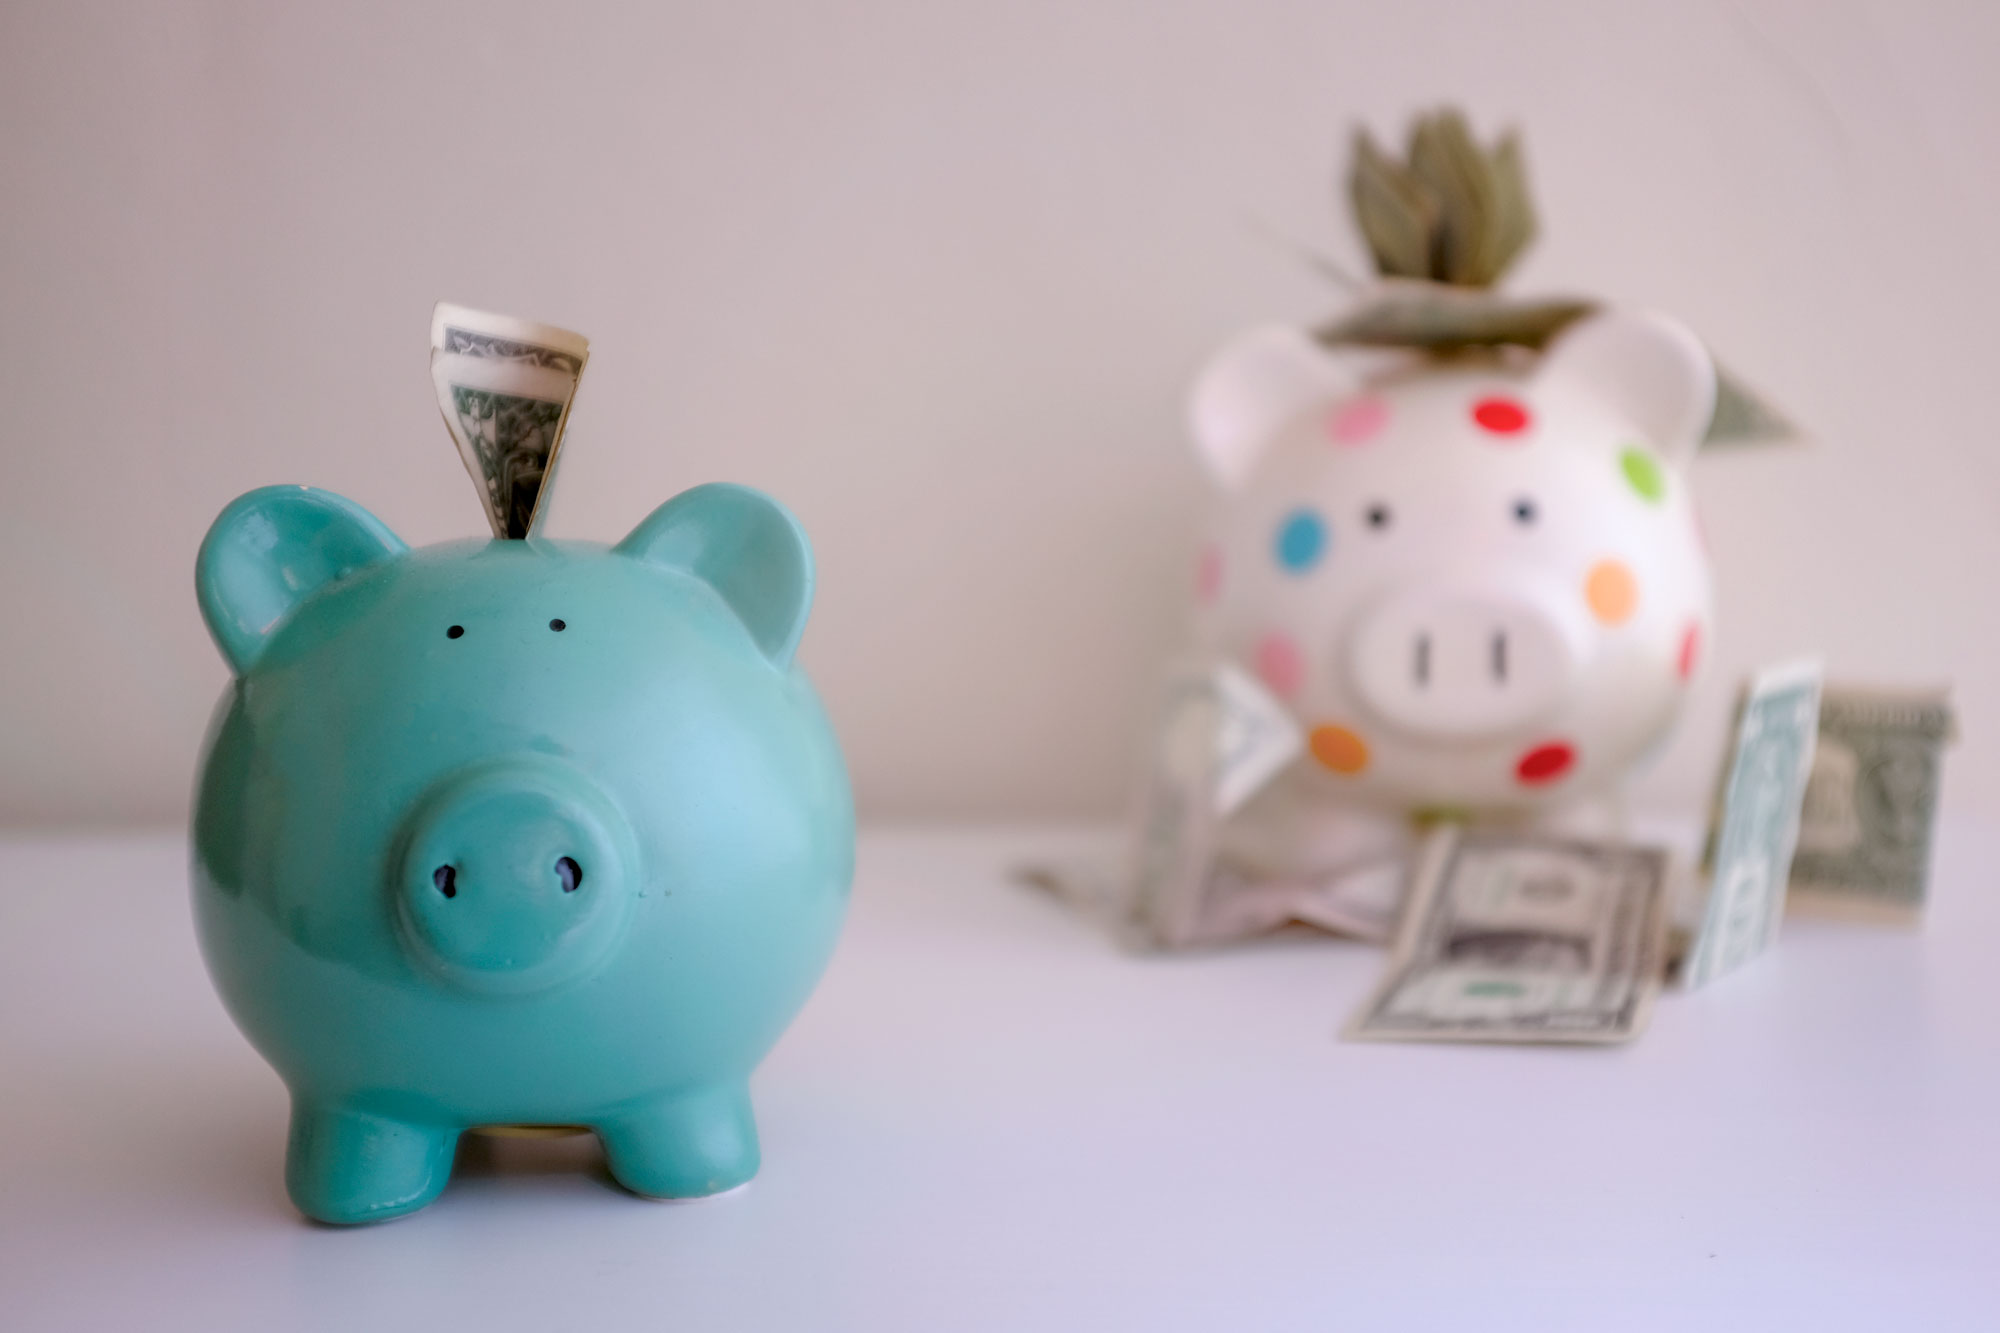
pixel 1196 874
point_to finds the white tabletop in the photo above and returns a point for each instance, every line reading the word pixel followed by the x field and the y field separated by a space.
pixel 988 1117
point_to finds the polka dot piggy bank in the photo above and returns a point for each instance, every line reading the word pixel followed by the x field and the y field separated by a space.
pixel 1476 581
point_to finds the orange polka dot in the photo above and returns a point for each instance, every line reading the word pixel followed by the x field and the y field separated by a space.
pixel 1339 749
pixel 1612 592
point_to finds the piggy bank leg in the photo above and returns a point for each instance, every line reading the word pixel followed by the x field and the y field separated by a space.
pixel 687 1146
pixel 346 1165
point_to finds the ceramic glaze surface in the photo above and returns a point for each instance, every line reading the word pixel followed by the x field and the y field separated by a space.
pixel 1476 582
pixel 514 832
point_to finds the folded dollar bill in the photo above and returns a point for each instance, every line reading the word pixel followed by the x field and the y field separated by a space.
pixel 1871 803
pixel 505 386
pixel 1754 826
pixel 1523 937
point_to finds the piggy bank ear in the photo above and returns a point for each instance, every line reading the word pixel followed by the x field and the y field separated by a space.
pixel 1655 372
pixel 1250 389
pixel 271 550
pixel 746 546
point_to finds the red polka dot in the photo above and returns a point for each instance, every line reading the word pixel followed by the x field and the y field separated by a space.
pixel 1545 763
pixel 1281 665
pixel 1208 574
pixel 1690 650
pixel 1502 416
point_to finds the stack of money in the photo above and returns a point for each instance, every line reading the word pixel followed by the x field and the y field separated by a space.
pixel 505 386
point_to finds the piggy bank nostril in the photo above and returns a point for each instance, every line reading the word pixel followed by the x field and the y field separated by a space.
pixel 570 873
pixel 446 880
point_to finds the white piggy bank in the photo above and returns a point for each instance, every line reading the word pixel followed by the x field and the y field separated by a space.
pixel 1476 582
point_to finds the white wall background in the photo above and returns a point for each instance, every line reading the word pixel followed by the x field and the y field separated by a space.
pixel 935 273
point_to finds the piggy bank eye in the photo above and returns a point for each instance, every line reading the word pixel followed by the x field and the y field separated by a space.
pixel 454 632
pixel 557 626
pixel 1378 516
pixel 1524 512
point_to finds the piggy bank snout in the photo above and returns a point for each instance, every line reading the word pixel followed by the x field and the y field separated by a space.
pixel 1462 662
pixel 514 877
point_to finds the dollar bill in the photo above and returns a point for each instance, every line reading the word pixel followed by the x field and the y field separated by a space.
pixel 1436 316
pixel 1450 211
pixel 1397 213
pixel 1744 416
pixel 1444 155
pixel 1219 737
pixel 1523 937
pixel 1755 824
pixel 1221 742
pixel 505 386
pixel 1871 803
pixel 1255 736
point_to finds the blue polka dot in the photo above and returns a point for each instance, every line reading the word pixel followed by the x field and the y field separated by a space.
pixel 1301 540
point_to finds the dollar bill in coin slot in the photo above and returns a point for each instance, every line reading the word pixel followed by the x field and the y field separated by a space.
pixel 505 386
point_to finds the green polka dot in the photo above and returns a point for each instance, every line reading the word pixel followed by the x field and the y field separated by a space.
pixel 1643 471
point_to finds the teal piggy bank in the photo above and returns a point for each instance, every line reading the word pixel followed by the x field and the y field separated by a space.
pixel 514 833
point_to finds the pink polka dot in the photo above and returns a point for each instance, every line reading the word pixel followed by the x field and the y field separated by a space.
pixel 1280 665
pixel 1690 650
pixel 1208 574
pixel 1358 420
pixel 1502 416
